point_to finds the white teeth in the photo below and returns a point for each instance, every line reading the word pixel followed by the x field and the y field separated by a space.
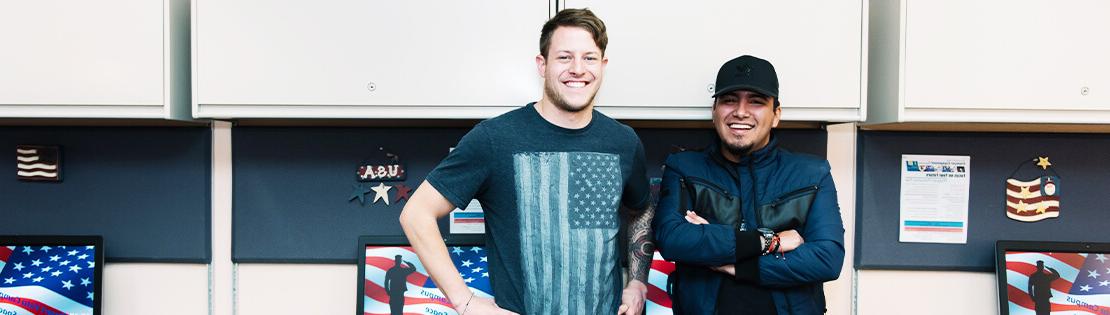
pixel 576 84
pixel 739 126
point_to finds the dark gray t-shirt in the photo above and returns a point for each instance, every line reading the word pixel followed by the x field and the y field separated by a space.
pixel 551 197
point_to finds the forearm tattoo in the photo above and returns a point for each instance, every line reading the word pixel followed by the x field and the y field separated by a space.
pixel 640 247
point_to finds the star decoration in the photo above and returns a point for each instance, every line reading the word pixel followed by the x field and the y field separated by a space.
pixel 1025 194
pixel 402 192
pixel 1043 162
pixel 67 284
pixel 1101 258
pixel 1020 206
pixel 381 192
pixel 456 251
pixel 359 193
pixel 1041 207
pixel 1092 273
pixel 1085 288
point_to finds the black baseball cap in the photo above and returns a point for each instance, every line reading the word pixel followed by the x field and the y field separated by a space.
pixel 747 73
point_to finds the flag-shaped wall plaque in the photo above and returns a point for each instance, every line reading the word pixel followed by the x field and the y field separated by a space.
pixel 1036 199
pixel 38 163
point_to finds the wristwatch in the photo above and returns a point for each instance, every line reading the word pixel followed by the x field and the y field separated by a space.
pixel 768 237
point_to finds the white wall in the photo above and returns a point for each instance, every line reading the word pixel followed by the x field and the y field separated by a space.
pixel 926 292
pixel 148 288
pixel 276 289
pixel 842 157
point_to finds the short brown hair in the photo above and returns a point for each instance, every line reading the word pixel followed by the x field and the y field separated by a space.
pixel 583 18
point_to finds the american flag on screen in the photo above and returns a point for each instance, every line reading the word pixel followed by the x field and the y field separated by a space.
pixel 45 280
pixel 38 163
pixel 1082 288
pixel 658 301
pixel 421 296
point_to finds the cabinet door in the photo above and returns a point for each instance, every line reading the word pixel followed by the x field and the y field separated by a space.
pixel 1008 54
pixel 365 59
pixel 106 52
pixel 664 55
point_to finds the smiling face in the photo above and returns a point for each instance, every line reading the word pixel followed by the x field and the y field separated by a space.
pixel 744 120
pixel 572 70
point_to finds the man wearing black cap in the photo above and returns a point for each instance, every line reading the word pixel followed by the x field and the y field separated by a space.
pixel 753 228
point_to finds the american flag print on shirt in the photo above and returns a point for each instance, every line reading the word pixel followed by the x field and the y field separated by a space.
pixel 46 280
pixel 422 296
pixel 38 163
pixel 1083 286
pixel 568 231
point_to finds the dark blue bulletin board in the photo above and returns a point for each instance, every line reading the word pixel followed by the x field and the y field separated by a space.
pixel 1081 161
pixel 292 184
pixel 146 190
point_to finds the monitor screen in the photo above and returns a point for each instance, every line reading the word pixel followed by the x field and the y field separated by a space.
pixel 393 281
pixel 1053 278
pixel 658 301
pixel 50 275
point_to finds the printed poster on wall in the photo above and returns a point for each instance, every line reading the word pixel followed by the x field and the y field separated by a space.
pixel 933 199
pixel 471 220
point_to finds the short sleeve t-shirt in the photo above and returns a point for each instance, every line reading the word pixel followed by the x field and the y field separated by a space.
pixel 551 197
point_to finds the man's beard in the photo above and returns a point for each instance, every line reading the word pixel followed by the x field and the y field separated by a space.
pixel 738 150
pixel 558 101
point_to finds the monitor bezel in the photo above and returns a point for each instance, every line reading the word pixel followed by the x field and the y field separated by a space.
pixel 68 240
pixel 391 240
pixel 1003 246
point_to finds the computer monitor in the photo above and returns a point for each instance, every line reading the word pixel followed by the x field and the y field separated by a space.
pixel 391 280
pixel 1053 277
pixel 51 274
pixel 658 301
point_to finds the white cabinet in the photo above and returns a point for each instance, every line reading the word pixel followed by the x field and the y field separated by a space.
pixel 664 55
pixel 999 61
pixel 94 59
pixel 364 59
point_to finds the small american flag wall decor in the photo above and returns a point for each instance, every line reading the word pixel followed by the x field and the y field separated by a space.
pixel 38 163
